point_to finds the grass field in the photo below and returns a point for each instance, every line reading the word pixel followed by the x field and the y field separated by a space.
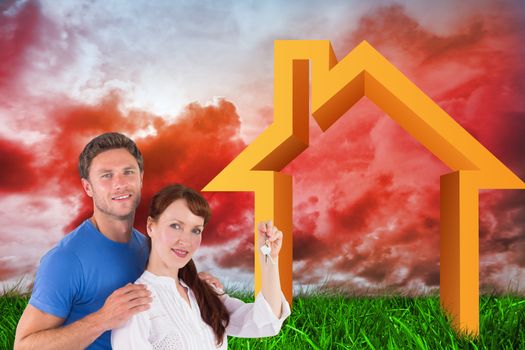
pixel 325 321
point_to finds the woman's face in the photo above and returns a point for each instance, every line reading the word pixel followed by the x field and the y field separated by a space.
pixel 175 236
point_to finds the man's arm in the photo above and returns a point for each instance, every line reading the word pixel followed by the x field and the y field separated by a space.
pixel 40 330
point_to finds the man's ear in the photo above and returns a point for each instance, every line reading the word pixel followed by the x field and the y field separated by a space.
pixel 87 187
pixel 149 225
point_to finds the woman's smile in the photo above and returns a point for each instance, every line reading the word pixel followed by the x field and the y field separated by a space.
pixel 180 252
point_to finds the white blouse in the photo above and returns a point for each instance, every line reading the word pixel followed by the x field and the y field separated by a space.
pixel 170 323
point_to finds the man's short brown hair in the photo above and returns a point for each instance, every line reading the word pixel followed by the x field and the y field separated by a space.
pixel 105 142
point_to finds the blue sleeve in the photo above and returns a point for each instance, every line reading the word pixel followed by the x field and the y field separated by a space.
pixel 57 283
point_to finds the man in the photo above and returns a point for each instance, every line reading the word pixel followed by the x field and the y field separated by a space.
pixel 83 287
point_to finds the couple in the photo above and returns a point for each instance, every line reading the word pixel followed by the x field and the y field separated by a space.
pixel 84 285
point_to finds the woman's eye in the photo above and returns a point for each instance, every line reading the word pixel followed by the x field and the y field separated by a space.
pixel 197 231
pixel 175 226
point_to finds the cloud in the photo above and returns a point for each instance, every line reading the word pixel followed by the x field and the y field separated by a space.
pixel 191 150
pixel 239 256
pixel 378 190
pixel 502 242
pixel 16 173
pixel 19 30
pixel 366 195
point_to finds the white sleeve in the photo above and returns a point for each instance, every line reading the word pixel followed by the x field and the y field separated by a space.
pixel 134 335
pixel 254 320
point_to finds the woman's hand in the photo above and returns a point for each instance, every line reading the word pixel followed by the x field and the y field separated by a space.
pixel 269 233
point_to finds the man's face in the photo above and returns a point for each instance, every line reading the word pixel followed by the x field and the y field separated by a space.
pixel 114 183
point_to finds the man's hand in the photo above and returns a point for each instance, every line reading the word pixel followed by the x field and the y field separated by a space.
pixel 121 305
pixel 211 280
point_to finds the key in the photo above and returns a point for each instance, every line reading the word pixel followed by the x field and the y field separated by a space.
pixel 266 250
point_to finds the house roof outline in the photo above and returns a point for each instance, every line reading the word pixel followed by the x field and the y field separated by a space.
pixel 335 87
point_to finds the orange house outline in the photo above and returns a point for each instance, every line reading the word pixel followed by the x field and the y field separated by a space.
pixel 336 87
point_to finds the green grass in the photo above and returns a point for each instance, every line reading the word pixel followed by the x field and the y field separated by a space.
pixel 11 307
pixel 339 322
pixel 325 321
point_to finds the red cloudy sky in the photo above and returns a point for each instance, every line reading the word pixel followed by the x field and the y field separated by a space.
pixel 193 96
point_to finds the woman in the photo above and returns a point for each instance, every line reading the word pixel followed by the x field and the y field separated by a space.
pixel 187 313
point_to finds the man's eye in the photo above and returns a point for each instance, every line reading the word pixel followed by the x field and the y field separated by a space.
pixel 129 172
pixel 106 176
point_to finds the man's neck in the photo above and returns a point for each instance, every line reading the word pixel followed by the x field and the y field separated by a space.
pixel 115 229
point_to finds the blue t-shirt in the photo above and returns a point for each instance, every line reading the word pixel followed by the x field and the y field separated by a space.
pixel 82 270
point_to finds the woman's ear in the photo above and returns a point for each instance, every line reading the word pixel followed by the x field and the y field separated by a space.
pixel 150 223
